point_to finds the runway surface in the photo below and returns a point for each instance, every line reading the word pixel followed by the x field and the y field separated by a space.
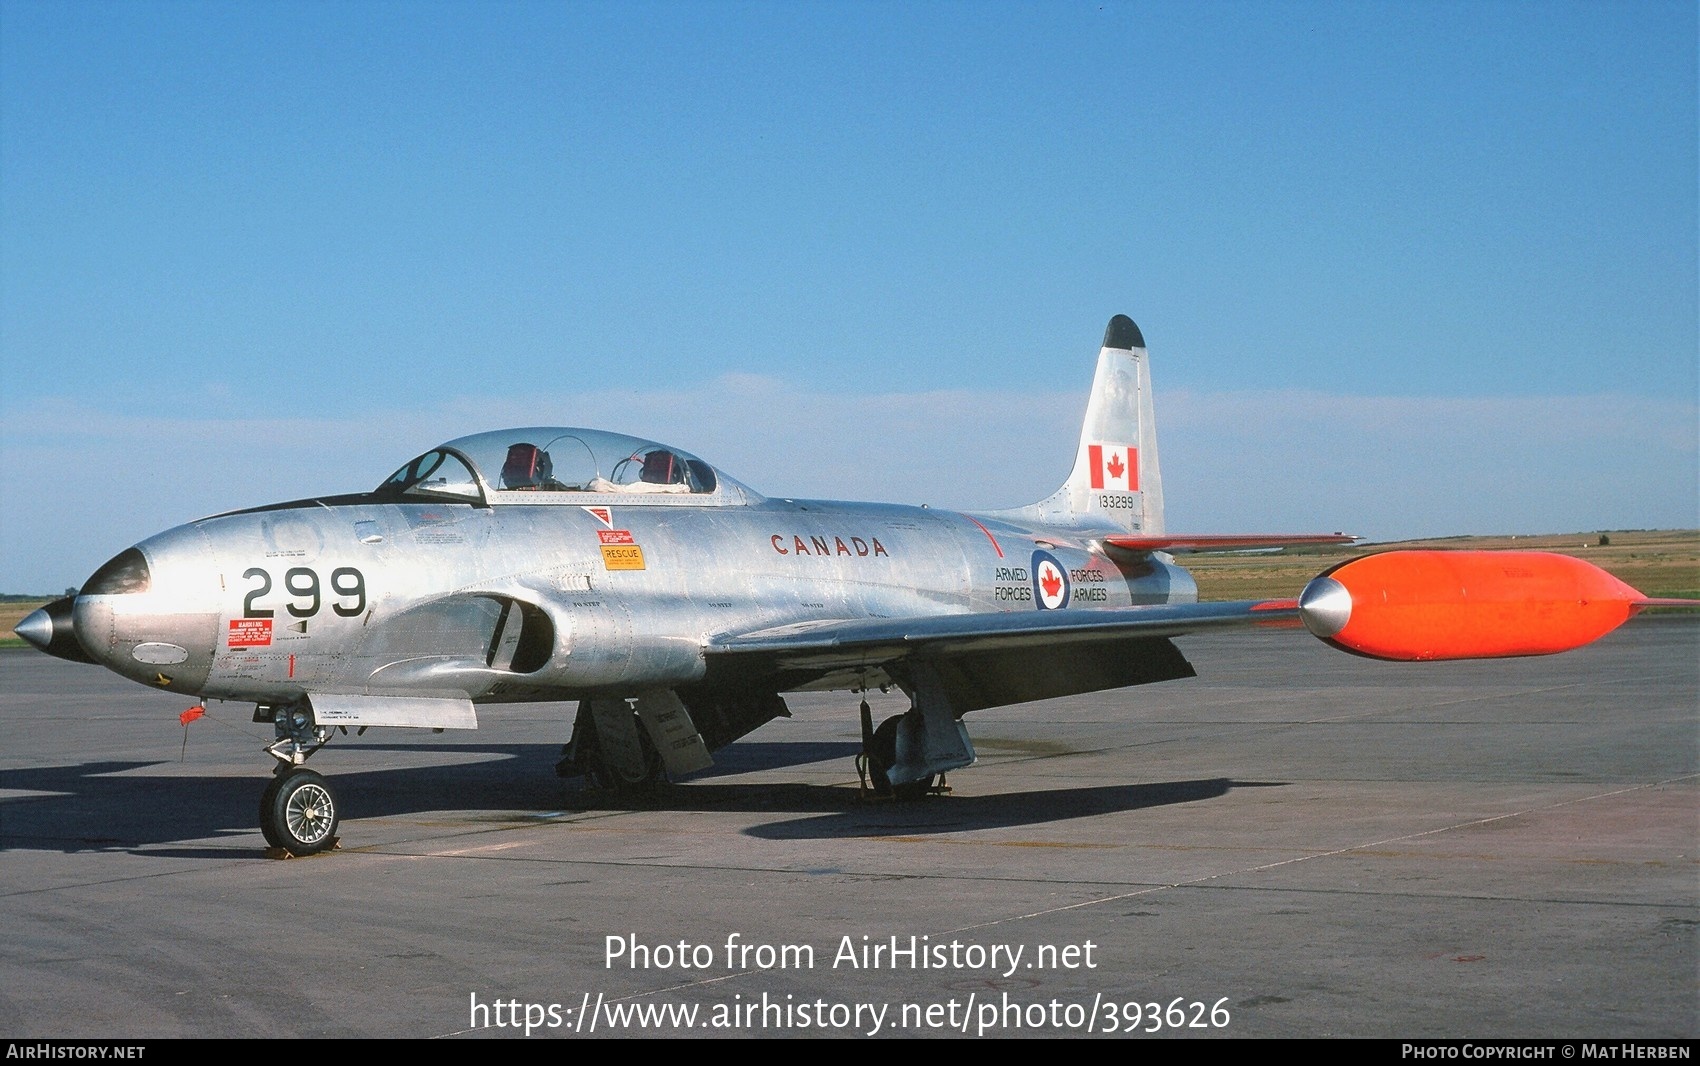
pixel 1296 843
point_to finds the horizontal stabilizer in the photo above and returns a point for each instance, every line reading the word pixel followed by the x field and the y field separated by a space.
pixel 1207 542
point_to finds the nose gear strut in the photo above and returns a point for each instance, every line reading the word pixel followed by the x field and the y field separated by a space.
pixel 298 736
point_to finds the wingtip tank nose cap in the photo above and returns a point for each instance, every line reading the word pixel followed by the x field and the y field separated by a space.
pixel 36 629
pixel 1325 606
pixel 1122 333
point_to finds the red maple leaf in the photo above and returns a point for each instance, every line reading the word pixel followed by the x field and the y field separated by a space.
pixel 1116 467
pixel 1051 583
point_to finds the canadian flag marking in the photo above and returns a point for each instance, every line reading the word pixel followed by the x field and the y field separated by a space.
pixel 1113 466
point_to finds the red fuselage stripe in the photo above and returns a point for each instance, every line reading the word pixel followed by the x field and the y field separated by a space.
pixel 988 534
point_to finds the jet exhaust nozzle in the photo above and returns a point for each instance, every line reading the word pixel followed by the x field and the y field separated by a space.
pixel 50 629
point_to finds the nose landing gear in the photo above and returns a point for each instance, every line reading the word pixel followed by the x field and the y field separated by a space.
pixel 299 814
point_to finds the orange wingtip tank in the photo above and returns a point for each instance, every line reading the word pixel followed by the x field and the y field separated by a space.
pixel 1419 605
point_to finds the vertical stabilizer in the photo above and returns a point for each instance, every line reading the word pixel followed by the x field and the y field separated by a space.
pixel 1116 481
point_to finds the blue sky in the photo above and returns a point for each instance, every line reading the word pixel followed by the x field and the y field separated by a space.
pixel 1405 268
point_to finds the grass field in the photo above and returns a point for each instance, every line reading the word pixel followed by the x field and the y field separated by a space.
pixel 1664 563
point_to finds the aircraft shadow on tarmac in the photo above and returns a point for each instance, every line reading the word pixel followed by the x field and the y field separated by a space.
pixel 956 814
pixel 117 806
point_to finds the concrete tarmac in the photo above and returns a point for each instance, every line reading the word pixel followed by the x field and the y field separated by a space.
pixel 1295 843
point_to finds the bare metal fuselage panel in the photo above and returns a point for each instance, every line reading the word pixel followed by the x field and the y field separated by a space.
pixel 520 601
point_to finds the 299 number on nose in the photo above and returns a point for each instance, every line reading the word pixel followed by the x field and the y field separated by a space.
pixel 348 588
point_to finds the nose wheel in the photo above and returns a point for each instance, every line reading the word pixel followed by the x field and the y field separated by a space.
pixel 298 812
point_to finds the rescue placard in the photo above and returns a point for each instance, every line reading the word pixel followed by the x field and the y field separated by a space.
pixel 622 556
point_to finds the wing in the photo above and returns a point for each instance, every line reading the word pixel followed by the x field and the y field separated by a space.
pixel 885 639
pixel 1403 605
pixel 987 660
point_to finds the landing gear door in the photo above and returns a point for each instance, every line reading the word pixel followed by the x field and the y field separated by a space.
pixel 675 735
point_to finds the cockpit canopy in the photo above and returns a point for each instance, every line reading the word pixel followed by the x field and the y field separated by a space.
pixel 550 464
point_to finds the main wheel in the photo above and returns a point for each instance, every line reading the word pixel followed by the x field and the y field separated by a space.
pixel 882 756
pixel 584 755
pixel 298 812
pixel 615 778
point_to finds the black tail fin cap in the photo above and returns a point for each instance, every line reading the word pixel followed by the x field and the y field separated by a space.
pixel 1122 333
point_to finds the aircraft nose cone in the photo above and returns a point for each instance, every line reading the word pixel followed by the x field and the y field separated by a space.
pixel 51 629
pixel 1325 606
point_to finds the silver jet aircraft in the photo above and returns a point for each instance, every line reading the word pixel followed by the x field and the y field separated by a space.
pixel 678 606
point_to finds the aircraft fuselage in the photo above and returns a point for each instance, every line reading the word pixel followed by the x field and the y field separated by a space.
pixel 272 604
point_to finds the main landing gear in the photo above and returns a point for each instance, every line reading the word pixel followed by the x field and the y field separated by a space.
pixel 298 810
pixel 909 754
pixel 879 757
pixel 611 749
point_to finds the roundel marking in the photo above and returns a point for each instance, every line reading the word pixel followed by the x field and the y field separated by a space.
pixel 1050 582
